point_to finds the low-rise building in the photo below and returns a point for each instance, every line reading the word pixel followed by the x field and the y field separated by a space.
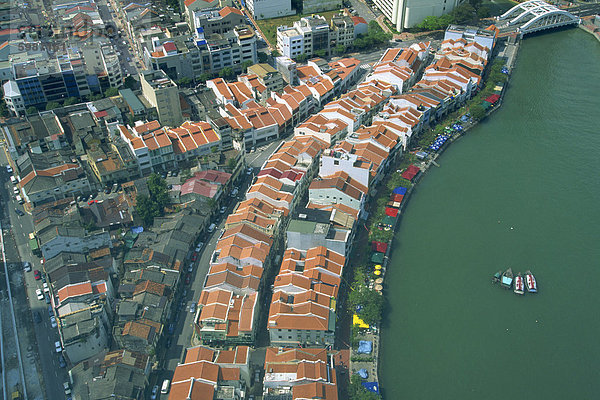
pixel 265 9
pixel 268 76
pixel 309 36
pixel 163 94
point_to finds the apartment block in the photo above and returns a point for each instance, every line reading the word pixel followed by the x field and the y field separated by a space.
pixel 307 36
pixel 163 94
pixel 265 9
pixel 409 13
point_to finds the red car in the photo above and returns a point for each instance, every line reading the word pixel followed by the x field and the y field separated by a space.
pixel 188 279
pixel 37 275
pixel 194 256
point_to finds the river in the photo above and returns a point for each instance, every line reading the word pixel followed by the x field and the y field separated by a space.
pixel 522 190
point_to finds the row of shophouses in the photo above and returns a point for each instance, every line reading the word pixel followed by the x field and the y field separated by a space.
pixel 300 215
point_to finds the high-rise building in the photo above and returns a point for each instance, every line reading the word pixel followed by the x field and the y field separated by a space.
pixel 163 94
pixel 409 13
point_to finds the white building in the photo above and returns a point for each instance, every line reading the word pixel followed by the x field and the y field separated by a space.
pixel 307 36
pixel 265 9
pixel 409 13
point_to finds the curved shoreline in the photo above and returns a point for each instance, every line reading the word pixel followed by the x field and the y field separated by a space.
pixel 376 337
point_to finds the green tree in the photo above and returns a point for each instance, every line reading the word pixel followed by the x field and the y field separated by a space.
pixel 111 91
pixel 52 105
pixel 70 101
pixel 477 112
pixel 340 49
pixel 245 65
pixel 358 392
pixel 227 73
pixel 205 76
pixel 231 163
pixel 185 81
pixel 464 13
pixel 129 82
pixel 159 192
pixel 146 209
pixel 321 53
pixel 31 110
pixel 301 58
pixel 262 57
pixel 275 53
pixel 483 12
pixel 4 110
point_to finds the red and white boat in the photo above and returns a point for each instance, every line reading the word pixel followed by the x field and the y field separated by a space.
pixel 531 283
pixel 519 284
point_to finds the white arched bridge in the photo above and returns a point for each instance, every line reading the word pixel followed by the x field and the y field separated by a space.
pixel 535 15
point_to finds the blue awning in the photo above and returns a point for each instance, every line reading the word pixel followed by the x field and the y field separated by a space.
pixel 400 190
pixel 371 386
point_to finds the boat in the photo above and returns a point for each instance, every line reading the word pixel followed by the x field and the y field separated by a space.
pixel 530 282
pixel 496 277
pixel 507 279
pixel 519 284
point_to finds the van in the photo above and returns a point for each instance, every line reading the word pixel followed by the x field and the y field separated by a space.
pixel 165 386
pixel 20 199
pixel 211 228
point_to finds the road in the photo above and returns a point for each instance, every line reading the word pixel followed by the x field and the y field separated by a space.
pixel 363 10
pixel 122 49
pixel 42 334
pixel 181 317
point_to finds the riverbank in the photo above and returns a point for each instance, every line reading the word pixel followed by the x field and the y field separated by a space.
pixel 382 252
pixel 588 26
pixel 449 333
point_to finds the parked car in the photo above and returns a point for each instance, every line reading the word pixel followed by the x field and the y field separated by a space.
pixel 194 256
pixel 67 387
pixel 53 322
pixel 193 308
pixel 107 190
pixel 9 169
pixel 46 288
pixel 61 361
pixel 37 274
pixel 191 267
pixel 154 392
pixel 27 266
pixel 47 297
pixel 19 212
pixel 15 190
pixel 188 279
pixel 39 294
pixel 223 209
pixel 171 328
pixel 37 318
pixel 250 170
pixel 57 346
pixel 50 311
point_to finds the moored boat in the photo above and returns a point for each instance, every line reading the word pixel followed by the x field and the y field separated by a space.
pixel 530 282
pixel 496 277
pixel 507 279
pixel 519 284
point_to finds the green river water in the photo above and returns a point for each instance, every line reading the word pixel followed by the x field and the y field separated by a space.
pixel 521 190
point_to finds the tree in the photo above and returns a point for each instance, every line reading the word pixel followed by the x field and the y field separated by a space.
pixel 111 91
pixel 321 53
pixel 129 82
pixel 185 81
pixel 358 392
pixel 245 65
pixel 70 101
pixel 231 163
pixel 301 58
pixel 227 73
pixel 31 110
pixel 4 110
pixel 262 57
pixel 477 112
pixel 340 49
pixel 464 13
pixel 205 76
pixel 275 53
pixel 149 207
pixel 483 12
pixel 52 105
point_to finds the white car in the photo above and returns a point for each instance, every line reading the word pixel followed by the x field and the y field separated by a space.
pixel 53 322
pixel 46 288
pixel 9 169
pixel 58 346
pixel 199 247
pixel 193 307
pixel 191 267
pixel 39 294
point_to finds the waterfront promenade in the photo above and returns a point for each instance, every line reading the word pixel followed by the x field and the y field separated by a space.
pixel 509 52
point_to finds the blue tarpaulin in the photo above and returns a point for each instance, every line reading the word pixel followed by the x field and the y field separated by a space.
pixel 363 373
pixel 371 386
pixel 137 229
pixel 365 347
pixel 400 190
